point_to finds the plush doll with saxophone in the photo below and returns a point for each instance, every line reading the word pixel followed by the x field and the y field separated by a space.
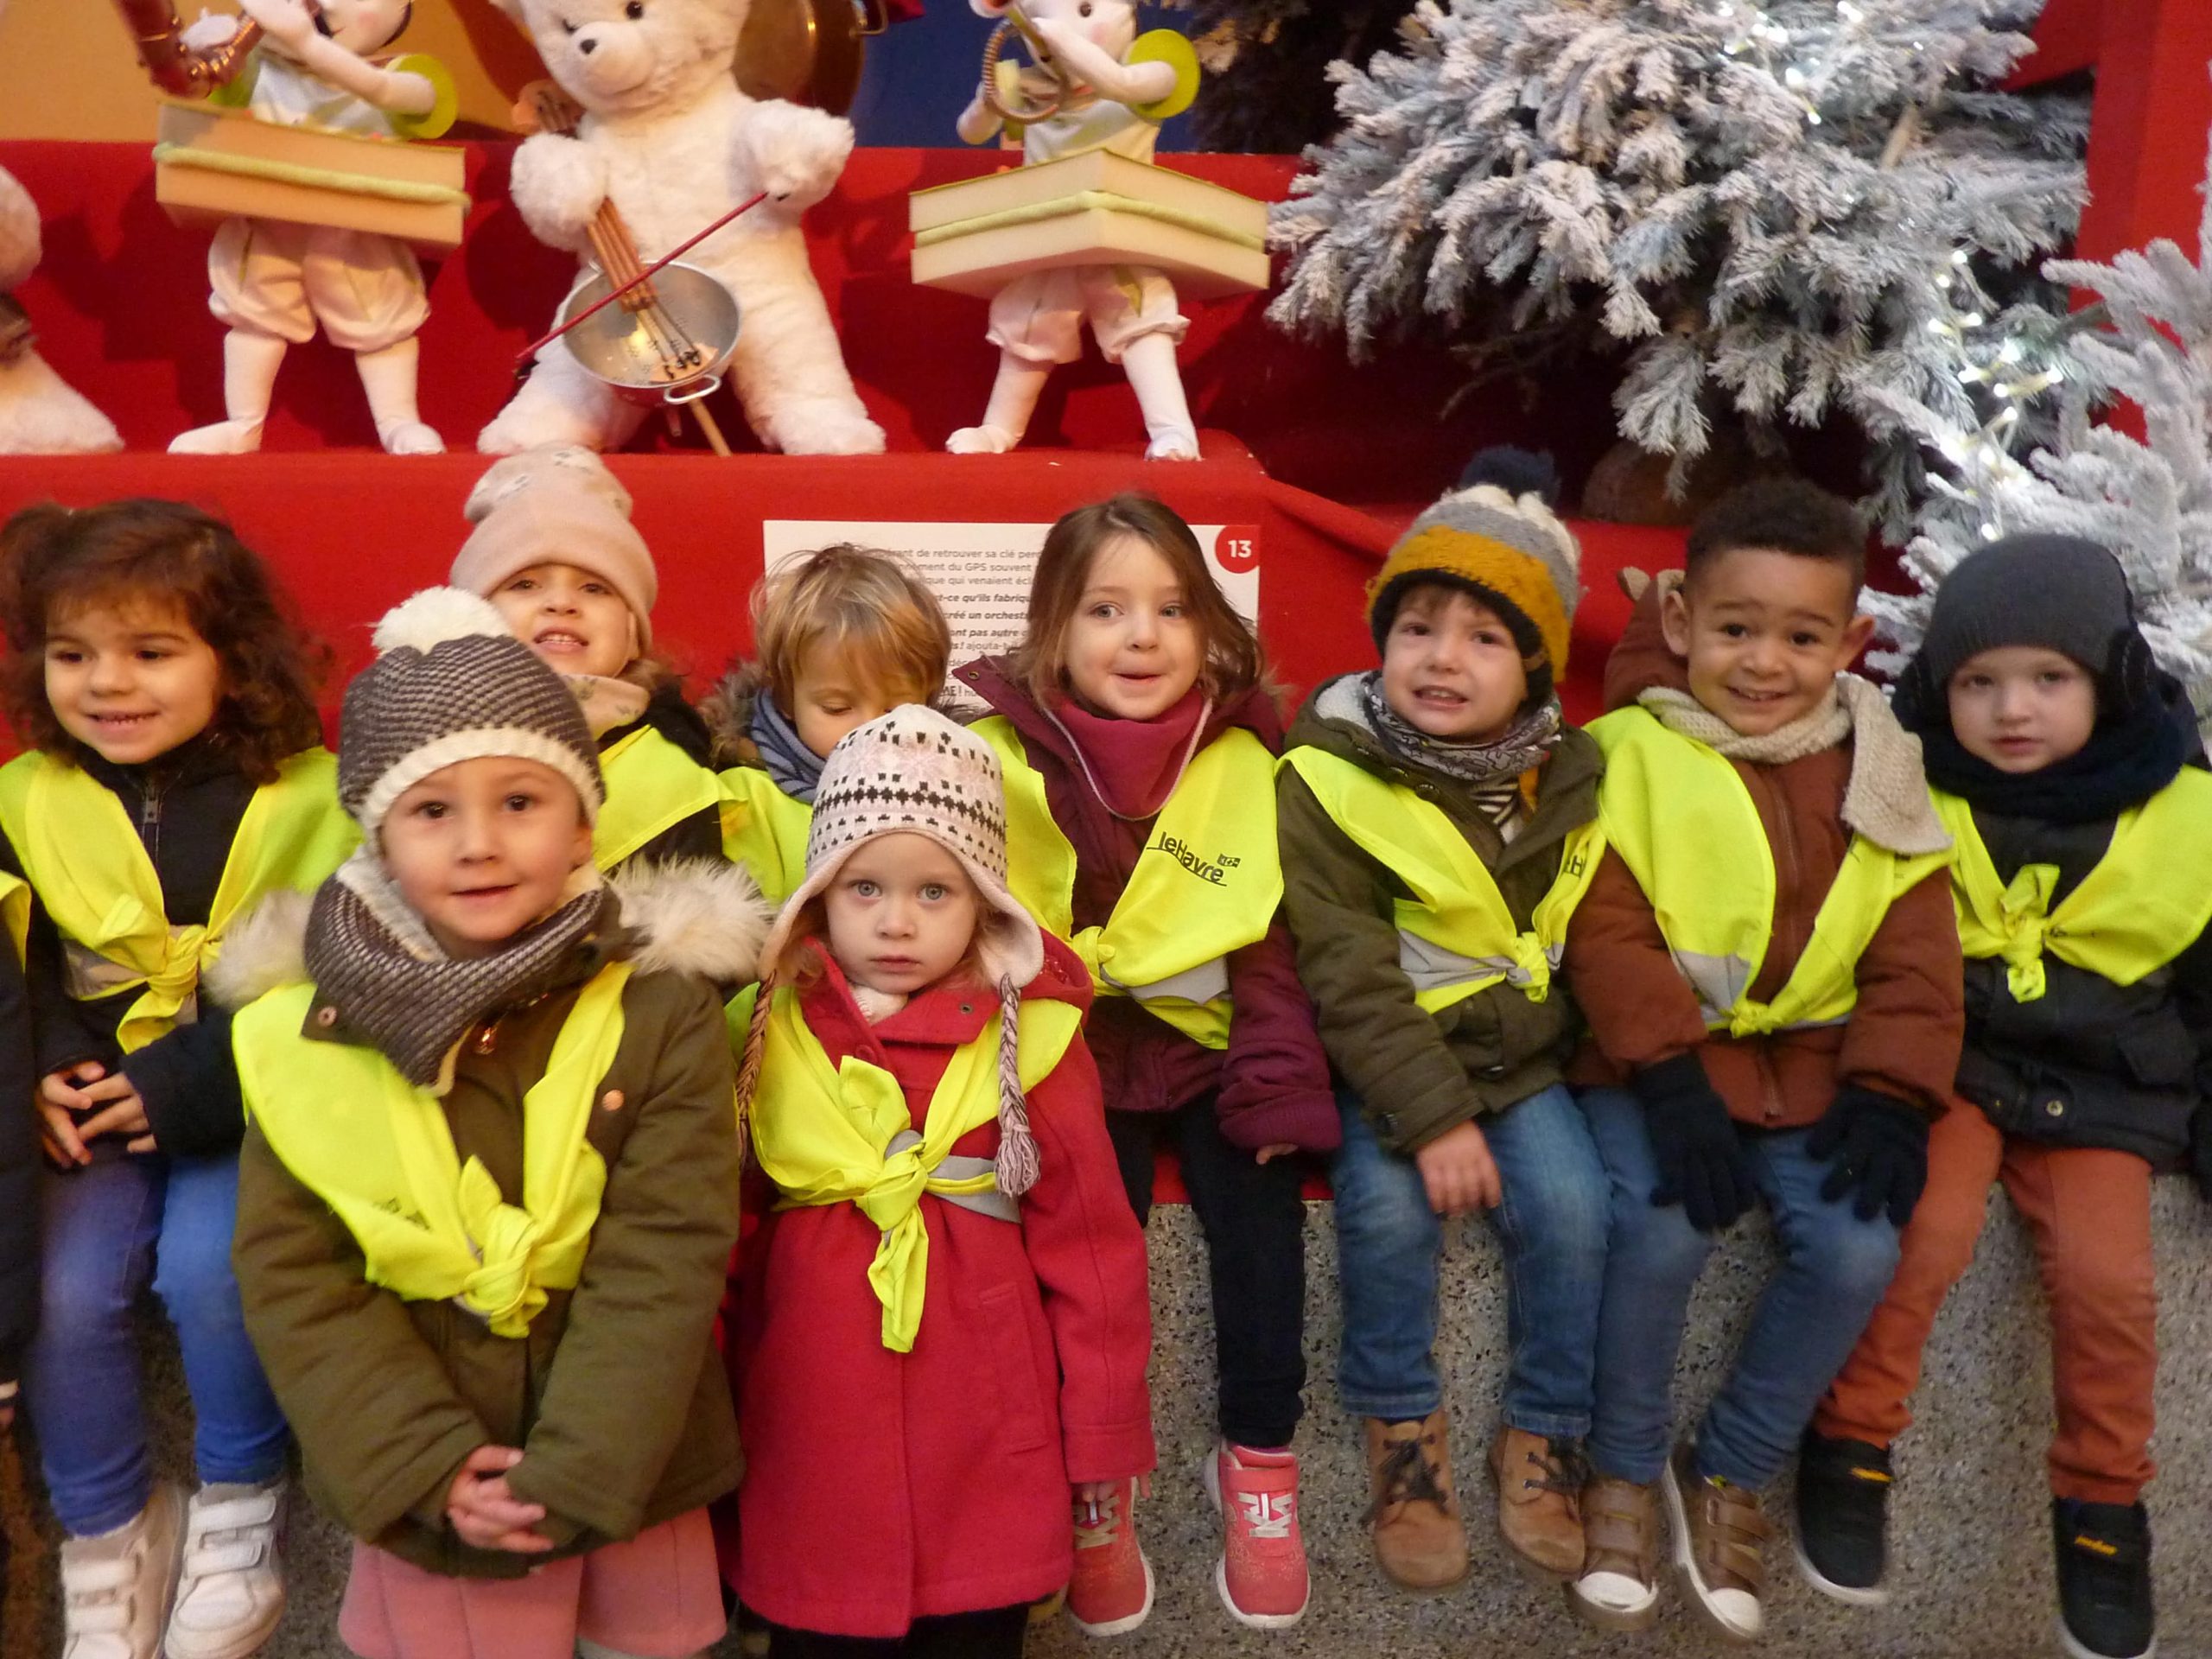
pixel 1105 90
pixel 668 140
pixel 274 282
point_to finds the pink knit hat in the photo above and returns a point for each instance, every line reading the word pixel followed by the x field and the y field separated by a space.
pixel 556 506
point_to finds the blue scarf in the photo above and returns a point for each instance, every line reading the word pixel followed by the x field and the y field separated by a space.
pixel 796 769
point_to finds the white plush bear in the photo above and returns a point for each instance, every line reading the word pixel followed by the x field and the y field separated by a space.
pixel 39 413
pixel 668 138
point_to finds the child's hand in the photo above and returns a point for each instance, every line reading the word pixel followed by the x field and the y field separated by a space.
pixel 1459 1172
pixel 1278 1149
pixel 60 1094
pixel 486 1512
pixel 125 1113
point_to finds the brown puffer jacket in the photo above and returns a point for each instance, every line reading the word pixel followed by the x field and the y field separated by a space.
pixel 620 1408
pixel 1418 1074
pixel 1902 1039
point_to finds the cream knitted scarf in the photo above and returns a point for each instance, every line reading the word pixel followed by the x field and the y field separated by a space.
pixel 1886 800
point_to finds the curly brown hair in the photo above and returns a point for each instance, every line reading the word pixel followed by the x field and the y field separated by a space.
pixel 1232 663
pixel 55 560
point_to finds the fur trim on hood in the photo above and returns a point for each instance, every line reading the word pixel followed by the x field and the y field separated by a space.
pixel 727 711
pixel 699 916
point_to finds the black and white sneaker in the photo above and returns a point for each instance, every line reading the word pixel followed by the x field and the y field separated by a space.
pixel 2104 1579
pixel 1843 1494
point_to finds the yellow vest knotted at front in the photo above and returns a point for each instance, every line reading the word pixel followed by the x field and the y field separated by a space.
pixel 2145 901
pixel 651 786
pixel 380 1152
pixel 82 856
pixel 1208 881
pixel 1456 934
pixel 841 1133
pixel 1684 823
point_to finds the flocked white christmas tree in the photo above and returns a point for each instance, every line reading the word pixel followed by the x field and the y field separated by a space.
pixel 1752 199
pixel 2148 499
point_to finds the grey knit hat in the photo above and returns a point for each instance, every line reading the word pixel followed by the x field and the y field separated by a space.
pixel 450 684
pixel 2063 592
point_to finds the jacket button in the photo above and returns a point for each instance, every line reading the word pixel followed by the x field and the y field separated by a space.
pixel 326 1017
pixel 967 1007
pixel 2055 1108
pixel 1390 1121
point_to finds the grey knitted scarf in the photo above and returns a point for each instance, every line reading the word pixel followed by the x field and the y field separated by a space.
pixel 1493 770
pixel 372 956
pixel 795 769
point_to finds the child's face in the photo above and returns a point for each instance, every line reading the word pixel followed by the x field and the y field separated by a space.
pixel 130 682
pixel 2022 707
pixel 1451 668
pixel 901 913
pixel 1765 634
pixel 835 692
pixel 1132 649
pixel 575 621
pixel 482 848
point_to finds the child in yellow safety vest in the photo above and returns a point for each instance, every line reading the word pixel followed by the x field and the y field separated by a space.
pixel 1138 737
pixel 840 636
pixel 174 777
pixel 2082 884
pixel 1436 816
pixel 1768 965
pixel 490 1182
pixel 555 550
pixel 950 1290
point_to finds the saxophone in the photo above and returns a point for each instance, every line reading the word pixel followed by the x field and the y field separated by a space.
pixel 178 69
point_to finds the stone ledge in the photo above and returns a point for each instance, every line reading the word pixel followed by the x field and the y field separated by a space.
pixel 1972 1538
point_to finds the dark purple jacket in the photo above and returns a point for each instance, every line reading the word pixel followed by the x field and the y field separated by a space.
pixel 1273 1081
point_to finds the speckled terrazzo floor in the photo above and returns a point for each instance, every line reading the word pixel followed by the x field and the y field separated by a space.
pixel 1972 1579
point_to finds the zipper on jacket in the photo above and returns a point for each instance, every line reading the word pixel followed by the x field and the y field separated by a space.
pixel 149 821
pixel 1785 863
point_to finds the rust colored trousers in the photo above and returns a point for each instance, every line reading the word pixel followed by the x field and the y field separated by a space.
pixel 2088 1210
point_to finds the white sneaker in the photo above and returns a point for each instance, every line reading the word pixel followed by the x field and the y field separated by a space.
pixel 115 1586
pixel 232 1594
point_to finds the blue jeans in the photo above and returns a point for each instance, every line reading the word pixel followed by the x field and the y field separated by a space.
pixel 1834 1270
pixel 1552 1226
pixel 104 1229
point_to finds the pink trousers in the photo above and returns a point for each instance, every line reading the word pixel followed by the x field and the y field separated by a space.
pixel 656 1597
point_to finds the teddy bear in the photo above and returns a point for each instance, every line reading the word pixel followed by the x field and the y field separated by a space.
pixel 667 136
pixel 41 414
pixel 1108 102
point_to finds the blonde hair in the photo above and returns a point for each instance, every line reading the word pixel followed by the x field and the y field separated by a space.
pixel 1232 664
pixel 860 599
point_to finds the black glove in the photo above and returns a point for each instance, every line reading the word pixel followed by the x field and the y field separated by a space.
pixel 2200 1150
pixel 1693 1141
pixel 1880 1147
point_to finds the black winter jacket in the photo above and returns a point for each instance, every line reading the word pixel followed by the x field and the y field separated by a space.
pixel 2090 1062
pixel 19 1165
pixel 187 805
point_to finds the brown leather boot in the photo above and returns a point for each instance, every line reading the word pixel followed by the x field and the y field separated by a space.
pixel 1419 1540
pixel 1618 1589
pixel 1719 1530
pixel 1540 1498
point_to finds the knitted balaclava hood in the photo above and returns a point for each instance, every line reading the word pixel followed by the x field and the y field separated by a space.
pixel 914 771
pixel 1496 537
pixel 556 506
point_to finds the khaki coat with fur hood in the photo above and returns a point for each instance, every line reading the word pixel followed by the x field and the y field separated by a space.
pixel 620 1408
pixel 1902 1039
pixel 1416 1074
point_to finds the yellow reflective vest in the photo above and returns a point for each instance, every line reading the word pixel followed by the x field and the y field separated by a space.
pixel 651 786
pixel 842 1135
pixel 1679 817
pixel 1208 881
pixel 380 1152
pixel 2145 902
pixel 83 857
pixel 1456 934
pixel 764 829
pixel 15 913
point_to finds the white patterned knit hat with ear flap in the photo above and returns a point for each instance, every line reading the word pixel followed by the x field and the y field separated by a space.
pixel 913 772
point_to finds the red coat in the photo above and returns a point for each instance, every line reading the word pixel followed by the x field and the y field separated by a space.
pixel 883 1487
pixel 1273 1080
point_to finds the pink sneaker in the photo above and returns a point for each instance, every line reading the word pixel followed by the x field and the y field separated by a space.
pixel 1112 1591
pixel 1261 1576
